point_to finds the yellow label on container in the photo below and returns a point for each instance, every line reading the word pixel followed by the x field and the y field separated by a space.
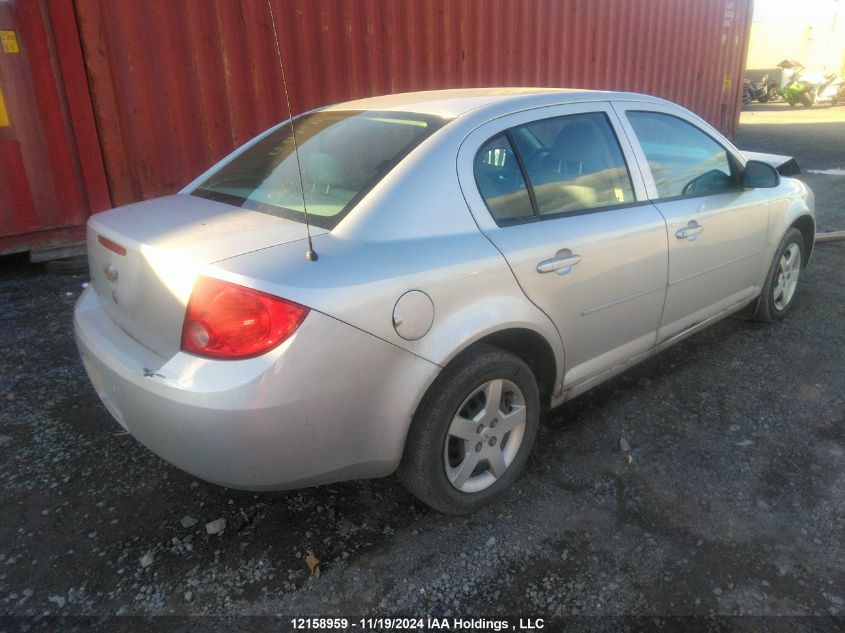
pixel 4 116
pixel 726 85
pixel 10 42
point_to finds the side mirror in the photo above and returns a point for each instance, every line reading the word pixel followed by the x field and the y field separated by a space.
pixel 759 175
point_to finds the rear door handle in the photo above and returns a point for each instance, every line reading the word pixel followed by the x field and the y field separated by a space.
pixel 560 265
pixel 690 231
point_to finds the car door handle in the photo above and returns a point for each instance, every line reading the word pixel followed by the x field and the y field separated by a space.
pixel 561 265
pixel 690 231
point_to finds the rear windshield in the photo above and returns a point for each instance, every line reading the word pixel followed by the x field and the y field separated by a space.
pixel 343 155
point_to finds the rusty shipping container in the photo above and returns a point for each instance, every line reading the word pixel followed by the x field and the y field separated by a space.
pixel 51 171
pixel 170 87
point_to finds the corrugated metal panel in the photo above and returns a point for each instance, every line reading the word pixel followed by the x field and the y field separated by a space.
pixel 176 85
pixel 47 187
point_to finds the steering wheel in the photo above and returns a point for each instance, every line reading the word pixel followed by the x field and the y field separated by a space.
pixel 711 181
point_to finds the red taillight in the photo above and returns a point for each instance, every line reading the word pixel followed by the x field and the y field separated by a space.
pixel 225 320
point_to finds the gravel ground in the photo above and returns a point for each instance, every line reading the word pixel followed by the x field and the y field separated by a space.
pixel 709 480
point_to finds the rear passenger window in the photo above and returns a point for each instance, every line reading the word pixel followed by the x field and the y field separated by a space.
pixel 500 180
pixel 684 161
pixel 574 163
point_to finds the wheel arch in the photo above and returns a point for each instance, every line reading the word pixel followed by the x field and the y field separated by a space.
pixel 528 345
pixel 807 227
pixel 533 349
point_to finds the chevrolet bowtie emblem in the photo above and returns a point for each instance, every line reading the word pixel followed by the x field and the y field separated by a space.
pixel 111 272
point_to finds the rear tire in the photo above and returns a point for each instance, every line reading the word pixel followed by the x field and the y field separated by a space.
pixel 806 100
pixel 461 452
pixel 779 290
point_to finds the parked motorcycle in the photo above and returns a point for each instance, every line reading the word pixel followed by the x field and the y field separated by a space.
pixel 831 90
pixel 747 97
pixel 799 90
pixel 769 90
pixel 762 90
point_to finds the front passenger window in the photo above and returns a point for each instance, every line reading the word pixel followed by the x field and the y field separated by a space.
pixel 684 161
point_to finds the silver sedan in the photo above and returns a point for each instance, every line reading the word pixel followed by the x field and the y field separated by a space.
pixel 473 257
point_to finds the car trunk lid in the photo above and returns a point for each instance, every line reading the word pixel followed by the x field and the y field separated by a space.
pixel 144 258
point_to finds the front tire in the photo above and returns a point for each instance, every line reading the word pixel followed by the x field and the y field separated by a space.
pixel 473 431
pixel 778 294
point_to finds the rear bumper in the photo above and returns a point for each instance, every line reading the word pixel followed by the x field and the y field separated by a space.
pixel 331 403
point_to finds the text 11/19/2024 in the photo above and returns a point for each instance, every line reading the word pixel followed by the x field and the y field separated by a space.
pixel 415 624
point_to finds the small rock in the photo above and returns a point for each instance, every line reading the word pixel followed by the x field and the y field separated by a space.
pixel 195 484
pixel 734 428
pixel 188 521
pixel 189 595
pixel 58 600
pixel 216 526
pixel 92 534
pixel 10 396
pixel 744 443
pixel 836 600
pixel 147 560
pixel 4 439
pixel 491 541
pixel 624 446
pixel 718 591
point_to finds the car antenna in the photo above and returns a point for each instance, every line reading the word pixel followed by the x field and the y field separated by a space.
pixel 310 254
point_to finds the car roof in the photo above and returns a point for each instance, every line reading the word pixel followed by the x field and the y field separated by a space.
pixel 450 104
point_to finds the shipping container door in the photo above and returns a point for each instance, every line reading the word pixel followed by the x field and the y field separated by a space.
pixel 42 197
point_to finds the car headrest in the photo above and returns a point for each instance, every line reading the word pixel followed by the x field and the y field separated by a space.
pixel 324 169
pixel 579 142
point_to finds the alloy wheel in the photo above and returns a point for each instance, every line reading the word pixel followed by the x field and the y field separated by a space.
pixel 789 267
pixel 485 435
